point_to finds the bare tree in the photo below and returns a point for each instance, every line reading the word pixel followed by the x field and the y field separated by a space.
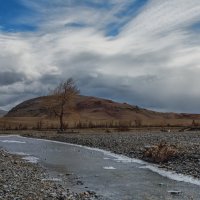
pixel 64 94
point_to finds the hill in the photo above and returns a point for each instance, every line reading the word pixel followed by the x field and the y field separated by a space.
pixel 97 110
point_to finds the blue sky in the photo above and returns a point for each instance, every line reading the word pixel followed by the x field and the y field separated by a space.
pixel 14 12
pixel 144 52
pixel 10 12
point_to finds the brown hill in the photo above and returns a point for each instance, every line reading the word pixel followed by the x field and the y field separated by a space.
pixel 98 110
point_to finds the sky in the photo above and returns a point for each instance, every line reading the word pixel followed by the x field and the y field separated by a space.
pixel 143 52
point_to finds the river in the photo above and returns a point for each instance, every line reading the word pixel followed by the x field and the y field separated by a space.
pixel 116 177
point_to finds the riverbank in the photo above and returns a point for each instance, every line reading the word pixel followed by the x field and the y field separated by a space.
pixel 133 144
pixel 22 180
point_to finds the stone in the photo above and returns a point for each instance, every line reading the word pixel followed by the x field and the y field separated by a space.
pixel 175 192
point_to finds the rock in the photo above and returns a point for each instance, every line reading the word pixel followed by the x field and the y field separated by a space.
pixel 79 182
pixel 175 192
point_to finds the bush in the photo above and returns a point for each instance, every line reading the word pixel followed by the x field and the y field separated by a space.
pixel 161 152
pixel 123 129
pixel 107 130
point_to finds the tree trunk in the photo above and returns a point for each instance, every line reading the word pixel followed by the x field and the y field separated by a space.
pixel 61 117
pixel 61 122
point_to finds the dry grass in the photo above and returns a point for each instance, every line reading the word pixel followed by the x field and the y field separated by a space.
pixel 43 123
pixel 161 152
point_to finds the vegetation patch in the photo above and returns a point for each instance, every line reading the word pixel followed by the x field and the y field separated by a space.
pixel 161 153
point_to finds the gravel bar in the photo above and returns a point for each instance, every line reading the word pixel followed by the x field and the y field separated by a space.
pixel 20 180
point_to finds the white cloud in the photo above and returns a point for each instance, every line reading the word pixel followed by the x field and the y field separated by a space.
pixel 153 62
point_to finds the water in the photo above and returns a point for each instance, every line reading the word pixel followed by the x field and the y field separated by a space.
pixel 113 176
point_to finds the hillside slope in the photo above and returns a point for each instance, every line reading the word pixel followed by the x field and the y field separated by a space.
pixel 97 109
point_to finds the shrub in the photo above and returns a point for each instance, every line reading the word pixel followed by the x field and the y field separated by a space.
pixel 161 152
pixel 39 125
pixel 107 131
pixel 123 129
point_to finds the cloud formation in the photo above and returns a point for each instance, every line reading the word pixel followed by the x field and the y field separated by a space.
pixel 143 53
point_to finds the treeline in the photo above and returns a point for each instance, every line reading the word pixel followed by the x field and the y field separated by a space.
pixel 119 125
pixel 43 125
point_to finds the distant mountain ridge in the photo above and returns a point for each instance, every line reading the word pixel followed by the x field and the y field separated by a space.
pixel 2 113
pixel 98 109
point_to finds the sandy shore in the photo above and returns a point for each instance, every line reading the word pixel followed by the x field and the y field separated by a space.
pixel 21 180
